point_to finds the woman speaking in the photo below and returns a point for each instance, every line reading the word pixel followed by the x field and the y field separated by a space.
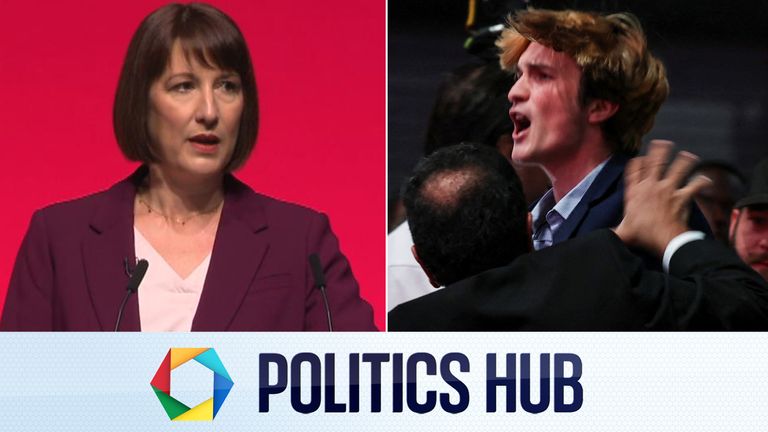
pixel 200 250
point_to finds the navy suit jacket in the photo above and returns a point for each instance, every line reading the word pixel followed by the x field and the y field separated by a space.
pixel 70 273
pixel 603 205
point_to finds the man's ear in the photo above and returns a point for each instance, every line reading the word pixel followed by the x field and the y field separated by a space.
pixel 424 268
pixel 600 110
pixel 529 230
pixel 732 228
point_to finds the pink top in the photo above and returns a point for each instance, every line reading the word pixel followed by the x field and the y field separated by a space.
pixel 166 301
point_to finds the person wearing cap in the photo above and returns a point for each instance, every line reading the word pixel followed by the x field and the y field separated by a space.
pixel 749 222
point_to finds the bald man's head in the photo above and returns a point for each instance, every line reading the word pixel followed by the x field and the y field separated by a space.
pixel 466 211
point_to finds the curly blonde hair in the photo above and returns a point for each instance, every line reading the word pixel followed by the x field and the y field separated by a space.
pixel 613 55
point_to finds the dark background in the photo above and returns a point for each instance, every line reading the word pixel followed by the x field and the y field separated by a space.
pixel 716 54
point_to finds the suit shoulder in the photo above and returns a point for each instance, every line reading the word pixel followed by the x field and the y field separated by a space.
pixel 71 210
pixel 431 312
pixel 252 205
pixel 245 199
pixel 281 208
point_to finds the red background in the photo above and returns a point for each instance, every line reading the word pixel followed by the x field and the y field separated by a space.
pixel 320 70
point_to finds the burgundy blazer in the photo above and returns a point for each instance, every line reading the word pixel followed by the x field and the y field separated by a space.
pixel 70 273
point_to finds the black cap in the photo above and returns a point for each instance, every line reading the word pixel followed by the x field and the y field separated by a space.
pixel 758 190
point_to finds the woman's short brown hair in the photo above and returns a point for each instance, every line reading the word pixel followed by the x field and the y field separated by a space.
pixel 614 58
pixel 203 32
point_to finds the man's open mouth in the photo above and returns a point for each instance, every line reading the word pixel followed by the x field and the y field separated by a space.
pixel 521 122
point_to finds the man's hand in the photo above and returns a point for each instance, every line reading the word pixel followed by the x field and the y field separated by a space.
pixel 656 204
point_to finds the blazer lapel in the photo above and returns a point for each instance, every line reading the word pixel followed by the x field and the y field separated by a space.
pixel 238 252
pixel 611 172
pixel 105 250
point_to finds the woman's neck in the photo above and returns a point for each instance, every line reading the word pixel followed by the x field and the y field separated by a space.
pixel 180 196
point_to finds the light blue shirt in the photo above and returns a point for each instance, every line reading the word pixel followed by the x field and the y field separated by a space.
pixel 548 216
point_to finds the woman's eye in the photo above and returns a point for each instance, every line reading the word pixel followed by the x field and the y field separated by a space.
pixel 230 86
pixel 183 87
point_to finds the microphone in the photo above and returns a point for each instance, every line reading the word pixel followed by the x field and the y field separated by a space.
pixel 317 271
pixel 133 285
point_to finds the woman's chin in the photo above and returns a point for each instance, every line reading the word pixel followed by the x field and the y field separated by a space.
pixel 197 168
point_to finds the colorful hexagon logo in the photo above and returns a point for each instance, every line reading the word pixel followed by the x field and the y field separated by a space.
pixel 205 411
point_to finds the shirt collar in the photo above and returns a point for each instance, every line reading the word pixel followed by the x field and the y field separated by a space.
pixel 568 203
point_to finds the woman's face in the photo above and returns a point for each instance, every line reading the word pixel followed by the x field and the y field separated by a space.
pixel 194 116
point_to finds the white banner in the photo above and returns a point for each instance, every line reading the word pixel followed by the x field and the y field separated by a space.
pixel 377 381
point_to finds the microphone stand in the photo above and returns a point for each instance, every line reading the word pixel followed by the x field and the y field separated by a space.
pixel 317 270
pixel 133 285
